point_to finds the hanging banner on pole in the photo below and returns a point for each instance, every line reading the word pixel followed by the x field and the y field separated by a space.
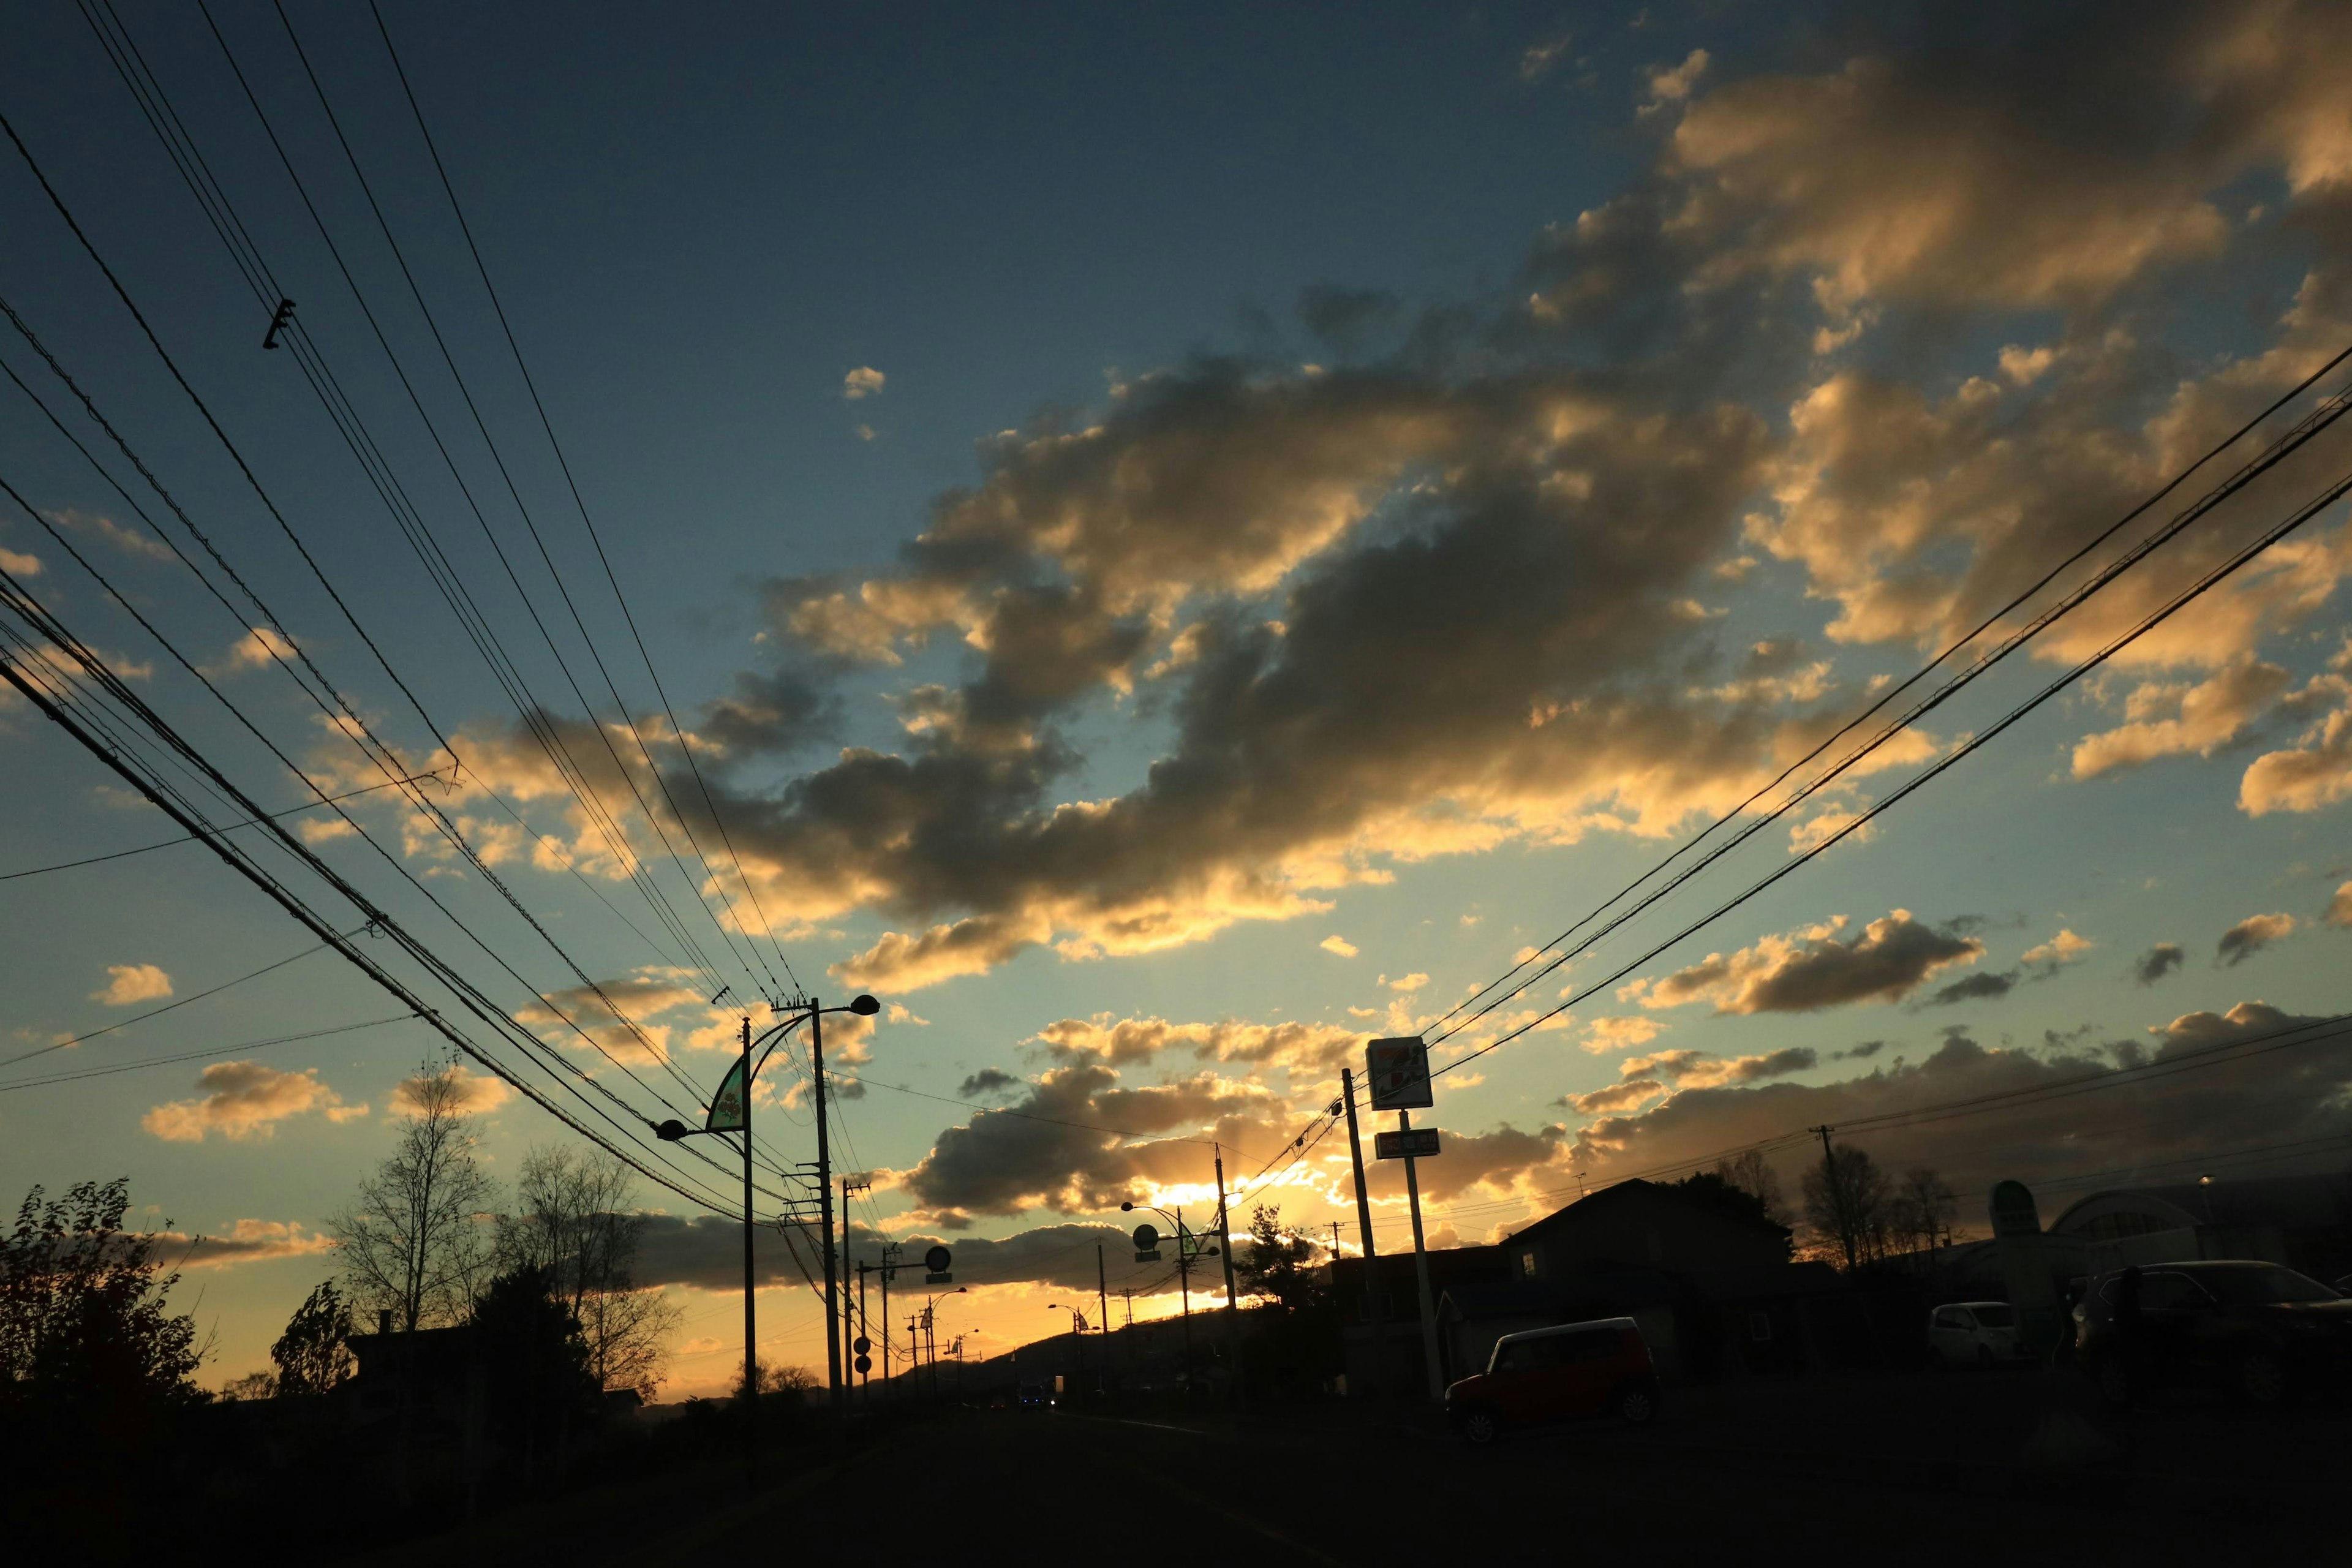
pixel 727 1105
pixel 1398 1072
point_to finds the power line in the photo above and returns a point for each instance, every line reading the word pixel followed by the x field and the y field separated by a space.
pixel 2283 446
pixel 166 1007
pixel 594 537
pixel 199 1056
pixel 2301 515
pixel 187 838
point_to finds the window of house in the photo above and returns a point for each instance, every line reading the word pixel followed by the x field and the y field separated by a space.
pixel 1527 1265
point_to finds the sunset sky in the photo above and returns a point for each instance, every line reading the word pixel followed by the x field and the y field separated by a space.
pixel 1180 539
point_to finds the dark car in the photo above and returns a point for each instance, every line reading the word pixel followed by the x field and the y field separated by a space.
pixel 2258 1330
pixel 1034 1397
pixel 1543 1375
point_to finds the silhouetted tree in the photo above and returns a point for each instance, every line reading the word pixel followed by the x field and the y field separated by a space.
pixel 84 1320
pixel 1711 1189
pixel 252 1386
pixel 1848 1205
pixel 794 1380
pixel 535 1364
pixel 1751 1173
pixel 1922 1206
pixel 414 1242
pixel 574 1218
pixel 1279 1263
pixel 312 1354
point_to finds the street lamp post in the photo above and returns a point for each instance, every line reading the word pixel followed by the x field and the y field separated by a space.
pixel 1189 1250
pixel 731 1111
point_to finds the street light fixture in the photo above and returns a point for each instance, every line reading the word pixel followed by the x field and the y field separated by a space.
pixel 1187 1249
pixel 731 1111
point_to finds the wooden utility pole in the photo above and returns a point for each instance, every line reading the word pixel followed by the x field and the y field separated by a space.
pixel 1102 1294
pixel 1232 1310
pixel 1837 1194
pixel 1375 1298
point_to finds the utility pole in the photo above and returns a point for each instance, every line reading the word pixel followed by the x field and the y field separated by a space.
pixel 849 1309
pixel 889 1266
pixel 1232 1311
pixel 1102 1294
pixel 1375 1298
pixel 751 1302
pixel 1184 1288
pixel 825 1198
pixel 866 1331
pixel 1421 1271
pixel 1837 1194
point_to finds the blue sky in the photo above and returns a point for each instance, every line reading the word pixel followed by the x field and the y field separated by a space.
pixel 1380 477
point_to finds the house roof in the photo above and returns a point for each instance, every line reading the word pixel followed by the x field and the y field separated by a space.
pixel 1635 1191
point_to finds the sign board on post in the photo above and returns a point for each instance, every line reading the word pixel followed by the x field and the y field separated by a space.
pixel 1415 1143
pixel 938 1279
pixel 1397 1070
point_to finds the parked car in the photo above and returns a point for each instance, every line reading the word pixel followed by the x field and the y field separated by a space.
pixel 1975 1333
pixel 1565 1374
pixel 1034 1397
pixel 2258 1330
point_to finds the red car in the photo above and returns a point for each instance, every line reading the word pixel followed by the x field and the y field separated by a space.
pixel 1565 1374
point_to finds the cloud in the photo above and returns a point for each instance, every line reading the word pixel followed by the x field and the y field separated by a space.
pixel 1080 1142
pixel 2063 948
pixel 863 381
pixel 1805 971
pixel 257 649
pixel 986 1083
pixel 241 1099
pixel 1614 1097
pixel 2166 718
pixel 1537 60
pixel 1697 1069
pixel 2339 908
pixel 1984 988
pixel 2250 936
pixel 132 982
pixel 20 565
pixel 1622 1034
pixel 246 1241
pixel 130 540
pixel 2157 962
pixel 1115 1042
pixel 1412 982
pixel 1338 944
pixel 1673 84
pixel 476 1094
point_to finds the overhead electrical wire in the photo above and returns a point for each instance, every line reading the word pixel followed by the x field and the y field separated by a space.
pixel 166 1007
pixel 187 838
pixel 2334 409
pixel 2228 488
pixel 351 724
pixel 45 624
pixel 188 159
pixel 19 674
pixel 146 1062
pixel 612 579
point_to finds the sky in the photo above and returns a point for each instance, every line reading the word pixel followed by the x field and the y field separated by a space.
pixel 1173 543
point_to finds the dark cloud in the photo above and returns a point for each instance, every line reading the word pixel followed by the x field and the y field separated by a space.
pixel 2302 1092
pixel 2157 962
pixel 1053 1150
pixel 1867 1048
pixel 1348 319
pixel 985 1084
pixel 1807 970
pixel 1975 988
pixel 2249 937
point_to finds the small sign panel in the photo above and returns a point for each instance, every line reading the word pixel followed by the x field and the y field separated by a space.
pixel 937 1260
pixel 942 1278
pixel 726 1114
pixel 1398 1071
pixel 1419 1143
pixel 1147 1236
pixel 1147 1256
